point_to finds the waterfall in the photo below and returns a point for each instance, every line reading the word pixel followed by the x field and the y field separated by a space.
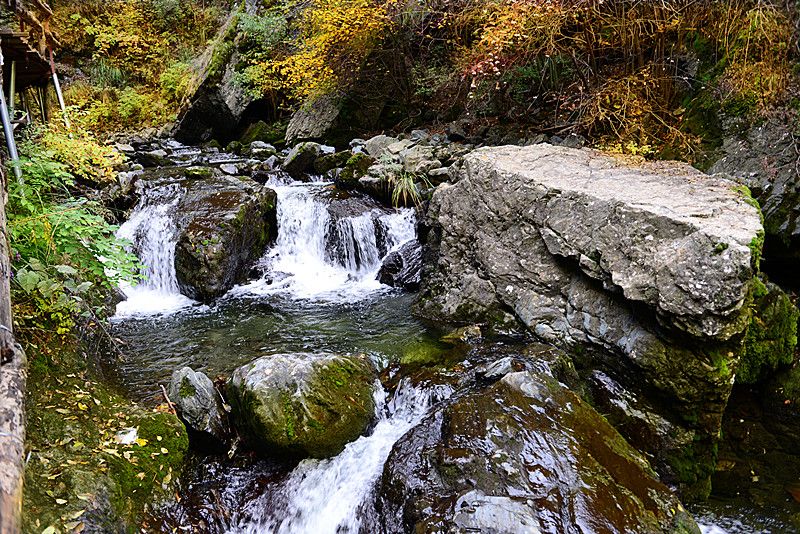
pixel 330 496
pixel 151 230
pixel 321 257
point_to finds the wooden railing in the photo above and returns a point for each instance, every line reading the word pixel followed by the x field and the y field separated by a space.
pixel 34 20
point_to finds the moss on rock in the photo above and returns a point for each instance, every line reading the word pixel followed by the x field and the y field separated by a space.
pixel 97 459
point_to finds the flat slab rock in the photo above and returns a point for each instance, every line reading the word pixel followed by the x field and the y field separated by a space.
pixel 662 234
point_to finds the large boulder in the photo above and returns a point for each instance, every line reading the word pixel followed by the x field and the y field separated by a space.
pixel 523 455
pixel 198 405
pixel 650 267
pixel 303 404
pixel 224 225
pixel 220 103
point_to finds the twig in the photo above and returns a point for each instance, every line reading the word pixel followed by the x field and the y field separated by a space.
pixel 169 402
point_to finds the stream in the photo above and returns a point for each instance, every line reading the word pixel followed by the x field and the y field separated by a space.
pixel 317 290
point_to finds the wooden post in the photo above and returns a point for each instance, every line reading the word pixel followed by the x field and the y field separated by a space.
pixel 13 377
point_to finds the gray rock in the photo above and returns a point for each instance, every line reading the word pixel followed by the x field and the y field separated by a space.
pixel 497 370
pixel 198 404
pixel 301 158
pixel 124 148
pixel 765 160
pixel 398 147
pixel 307 404
pixel 220 103
pixel 420 135
pixel 154 158
pixel 229 168
pixel 314 119
pixel 378 145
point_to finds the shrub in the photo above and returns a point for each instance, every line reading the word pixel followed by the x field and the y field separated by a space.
pixel 65 256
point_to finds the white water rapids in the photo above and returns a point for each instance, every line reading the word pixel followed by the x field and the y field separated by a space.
pixel 328 496
pixel 314 257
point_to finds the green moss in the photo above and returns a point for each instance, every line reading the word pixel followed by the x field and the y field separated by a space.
pixel 274 133
pixel 187 389
pixel 692 467
pixel 771 336
pixel 355 167
pixel 720 248
pixel 234 147
pixel 756 251
pixel 222 51
pixel 77 463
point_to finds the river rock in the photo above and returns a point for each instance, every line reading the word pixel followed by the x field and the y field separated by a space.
pixel 764 158
pixel 523 455
pixel 402 267
pixel 198 404
pixel 154 158
pixel 224 226
pixel 303 404
pixel 649 267
pixel 301 158
pixel 378 145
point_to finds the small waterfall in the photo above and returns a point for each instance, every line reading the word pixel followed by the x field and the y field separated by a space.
pixel 151 229
pixel 330 496
pixel 321 257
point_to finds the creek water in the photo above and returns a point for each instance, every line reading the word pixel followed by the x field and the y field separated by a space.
pixel 318 292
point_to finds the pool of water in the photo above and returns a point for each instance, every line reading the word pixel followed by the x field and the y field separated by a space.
pixel 238 330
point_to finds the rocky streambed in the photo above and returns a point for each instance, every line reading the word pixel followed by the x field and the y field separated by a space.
pixel 332 402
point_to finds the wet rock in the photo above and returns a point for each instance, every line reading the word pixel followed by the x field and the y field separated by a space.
pixel 523 455
pixel 648 270
pixel 498 369
pixel 355 168
pixel 402 268
pixel 641 425
pixel 224 226
pixel 301 158
pixel 154 158
pixel 303 404
pixel 198 405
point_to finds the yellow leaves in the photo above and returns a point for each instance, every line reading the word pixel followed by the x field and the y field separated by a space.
pixel 336 38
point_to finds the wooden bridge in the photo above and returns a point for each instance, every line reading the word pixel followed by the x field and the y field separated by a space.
pixel 26 40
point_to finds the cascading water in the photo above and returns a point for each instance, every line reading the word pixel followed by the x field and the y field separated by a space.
pixel 319 257
pixel 329 496
pixel 151 229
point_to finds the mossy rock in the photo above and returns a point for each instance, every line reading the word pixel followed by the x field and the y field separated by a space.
pixel 355 167
pixel 79 469
pixel 303 404
pixel 329 162
pixel 273 134
pixel 771 337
